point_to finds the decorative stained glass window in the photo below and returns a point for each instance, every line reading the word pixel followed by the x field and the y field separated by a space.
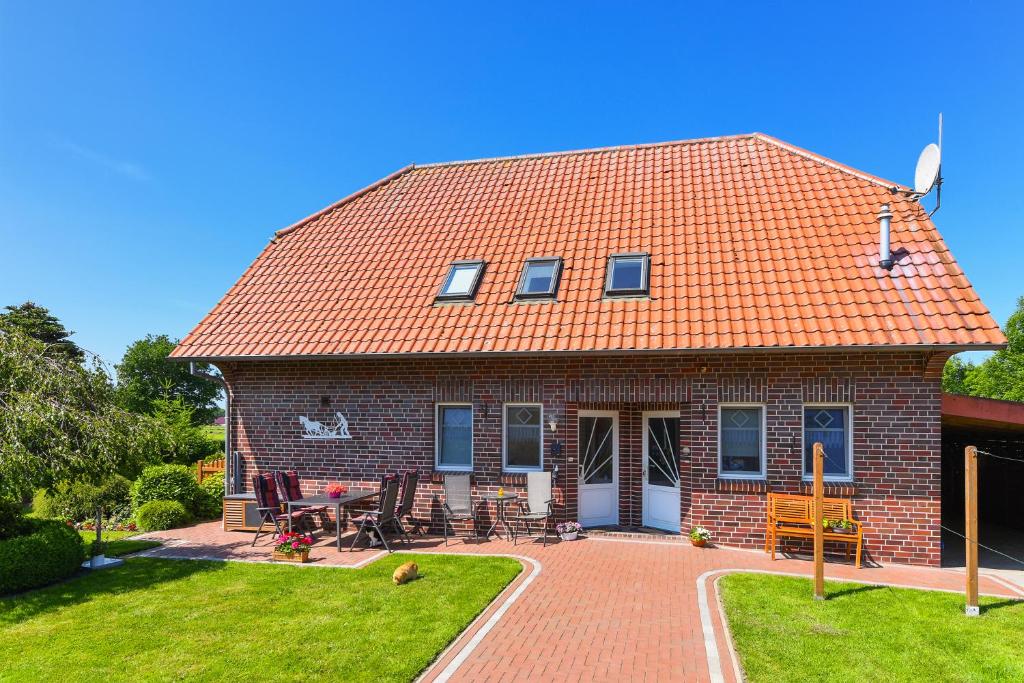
pixel 741 442
pixel 524 437
pixel 454 437
pixel 829 425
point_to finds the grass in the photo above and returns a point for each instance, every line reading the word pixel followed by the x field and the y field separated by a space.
pixel 118 542
pixel 172 619
pixel 869 633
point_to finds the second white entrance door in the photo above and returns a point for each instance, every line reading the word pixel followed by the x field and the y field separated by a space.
pixel 661 470
pixel 598 437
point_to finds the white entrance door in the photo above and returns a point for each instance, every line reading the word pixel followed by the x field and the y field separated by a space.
pixel 661 470
pixel 599 467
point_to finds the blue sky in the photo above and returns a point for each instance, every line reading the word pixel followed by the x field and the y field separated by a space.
pixel 149 150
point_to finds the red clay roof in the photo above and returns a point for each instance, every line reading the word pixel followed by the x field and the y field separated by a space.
pixel 754 243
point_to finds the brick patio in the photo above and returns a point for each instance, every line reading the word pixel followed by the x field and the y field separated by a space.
pixel 625 608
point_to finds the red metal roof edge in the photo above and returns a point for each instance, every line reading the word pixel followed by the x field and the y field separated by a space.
pixel 344 200
pixel 982 409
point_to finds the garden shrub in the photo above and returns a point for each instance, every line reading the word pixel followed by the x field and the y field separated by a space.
pixel 49 552
pixel 158 515
pixel 166 482
pixel 78 501
pixel 212 496
pixel 12 519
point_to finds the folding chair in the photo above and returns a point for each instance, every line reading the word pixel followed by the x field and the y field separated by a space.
pixel 458 502
pixel 383 518
pixel 538 504
pixel 268 504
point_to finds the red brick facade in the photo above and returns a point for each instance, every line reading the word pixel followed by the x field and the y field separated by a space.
pixel 389 404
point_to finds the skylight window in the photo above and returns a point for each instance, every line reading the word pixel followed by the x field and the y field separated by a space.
pixel 462 281
pixel 540 278
pixel 628 275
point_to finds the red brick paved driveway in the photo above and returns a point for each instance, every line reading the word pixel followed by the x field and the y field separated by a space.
pixel 597 609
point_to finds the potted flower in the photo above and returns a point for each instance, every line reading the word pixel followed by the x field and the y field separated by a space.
pixel 699 536
pixel 839 526
pixel 336 490
pixel 569 530
pixel 293 547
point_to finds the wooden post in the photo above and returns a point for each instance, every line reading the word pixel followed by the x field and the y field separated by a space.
pixel 971 528
pixel 819 530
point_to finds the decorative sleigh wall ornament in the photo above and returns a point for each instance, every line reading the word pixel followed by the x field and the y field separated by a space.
pixel 318 430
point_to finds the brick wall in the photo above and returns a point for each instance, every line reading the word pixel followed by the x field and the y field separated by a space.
pixel 389 404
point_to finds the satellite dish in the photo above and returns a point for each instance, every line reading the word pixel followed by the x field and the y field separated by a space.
pixel 927 173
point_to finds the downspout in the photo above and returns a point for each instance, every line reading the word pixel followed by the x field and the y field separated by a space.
pixel 229 470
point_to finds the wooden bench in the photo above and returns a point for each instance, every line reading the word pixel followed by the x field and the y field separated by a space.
pixel 792 516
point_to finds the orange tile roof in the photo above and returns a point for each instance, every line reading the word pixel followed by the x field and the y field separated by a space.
pixel 754 243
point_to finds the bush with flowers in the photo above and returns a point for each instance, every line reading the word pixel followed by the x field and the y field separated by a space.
pixel 336 490
pixel 700 535
pixel 569 528
pixel 293 542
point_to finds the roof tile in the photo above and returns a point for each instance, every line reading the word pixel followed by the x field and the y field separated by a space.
pixel 754 244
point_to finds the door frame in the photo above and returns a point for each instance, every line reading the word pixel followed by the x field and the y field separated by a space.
pixel 644 417
pixel 614 415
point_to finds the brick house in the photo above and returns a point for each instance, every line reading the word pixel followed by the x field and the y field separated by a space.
pixel 666 328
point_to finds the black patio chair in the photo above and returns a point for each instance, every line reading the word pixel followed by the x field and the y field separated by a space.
pixel 458 502
pixel 290 489
pixel 268 505
pixel 406 499
pixel 383 518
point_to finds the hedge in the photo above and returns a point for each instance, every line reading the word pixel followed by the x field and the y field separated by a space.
pixel 211 499
pixel 166 482
pixel 50 552
pixel 158 515
pixel 78 501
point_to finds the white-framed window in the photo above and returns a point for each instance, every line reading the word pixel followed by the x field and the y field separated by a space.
pixel 523 437
pixel 832 425
pixel 454 435
pixel 741 441
pixel 462 281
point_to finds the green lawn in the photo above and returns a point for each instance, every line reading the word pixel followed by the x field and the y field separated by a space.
pixel 869 633
pixel 118 542
pixel 177 619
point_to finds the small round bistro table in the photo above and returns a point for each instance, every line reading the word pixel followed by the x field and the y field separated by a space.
pixel 499 517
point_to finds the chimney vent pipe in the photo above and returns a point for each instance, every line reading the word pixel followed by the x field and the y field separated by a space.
pixel 884 248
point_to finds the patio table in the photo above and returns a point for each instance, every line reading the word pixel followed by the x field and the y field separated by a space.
pixel 499 503
pixel 352 496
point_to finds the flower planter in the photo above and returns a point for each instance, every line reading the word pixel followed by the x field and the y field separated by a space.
pixel 571 536
pixel 699 543
pixel 840 530
pixel 299 556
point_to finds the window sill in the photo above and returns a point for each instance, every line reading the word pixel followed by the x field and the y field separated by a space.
pixel 833 489
pixel 738 485
pixel 454 470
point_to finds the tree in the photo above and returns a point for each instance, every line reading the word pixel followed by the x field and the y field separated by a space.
pixel 185 442
pixel 1001 375
pixel 60 422
pixel 145 375
pixel 38 323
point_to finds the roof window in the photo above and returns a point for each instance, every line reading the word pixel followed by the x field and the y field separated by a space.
pixel 540 278
pixel 462 281
pixel 628 275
